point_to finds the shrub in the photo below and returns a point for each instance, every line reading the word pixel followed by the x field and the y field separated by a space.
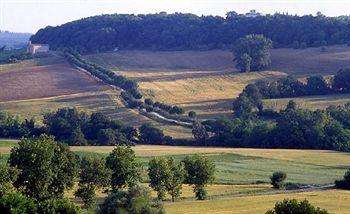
pixel 295 207
pixel 137 200
pixel 15 202
pixel 277 179
pixel 345 183
pixel 59 206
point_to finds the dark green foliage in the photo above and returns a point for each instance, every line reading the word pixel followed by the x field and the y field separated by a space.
pixel 93 176
pixel 12 126
pixel 16 203
pixel 316 85
pixel 13 56
pixel 341 114
pixel 8 175
pixel 158 173
pixel 58 205
pixel 79 129
pixel 295 207
pixel 345 183
pixel 199 172
pixel 137 200
pixel 125 168
pixel 166 176
pixel 187 31
pixel 252 52
pixel 192 114
pixel 277 179
pixel 342 80
pixel 150 134
pixel 47 168
pixel 199 133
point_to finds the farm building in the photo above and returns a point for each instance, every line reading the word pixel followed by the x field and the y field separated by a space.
pixel 37 48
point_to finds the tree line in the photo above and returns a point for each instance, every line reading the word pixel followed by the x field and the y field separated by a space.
pixel 40 170
pixel 180 31
pixel 76 128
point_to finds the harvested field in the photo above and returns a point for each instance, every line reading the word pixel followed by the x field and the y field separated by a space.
pixel 45 81
pixel 332 200
pixel 310 102
pixel 207 81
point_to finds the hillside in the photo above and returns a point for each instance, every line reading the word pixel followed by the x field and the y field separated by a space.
pixel 207 81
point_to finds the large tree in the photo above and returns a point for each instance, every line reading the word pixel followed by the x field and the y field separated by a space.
pixel 93 176
pixel 252 52
pixel 199 173
pixel 47 168
pixel 125 168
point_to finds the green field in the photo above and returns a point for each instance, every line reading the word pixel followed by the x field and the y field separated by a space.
pixel 244 166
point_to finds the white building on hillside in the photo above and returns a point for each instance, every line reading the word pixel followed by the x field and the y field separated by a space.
pixel 252 14
pixel 37 48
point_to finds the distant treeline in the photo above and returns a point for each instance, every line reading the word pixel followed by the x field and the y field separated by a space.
pixel 179 31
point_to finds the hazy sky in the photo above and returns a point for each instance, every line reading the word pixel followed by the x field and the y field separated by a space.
pixel 31 15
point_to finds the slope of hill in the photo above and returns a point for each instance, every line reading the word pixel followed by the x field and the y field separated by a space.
pixel 207 81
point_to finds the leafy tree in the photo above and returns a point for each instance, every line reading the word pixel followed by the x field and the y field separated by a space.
pixel 192 114
pixel 245 63
pixel 252 52
pixel 93 176
pixel 292 105
pixel 175 179
pixel 106 137
pixel 342 80
pixel 159 173
pixel 150 134
pixel 137 200
pixel 277 179
pixel 47 168
pixel 199 133
pixel 14 202
pixel 316 85
pixel 294 207
pixel 199 172
pixel 78 138
pixel 125 168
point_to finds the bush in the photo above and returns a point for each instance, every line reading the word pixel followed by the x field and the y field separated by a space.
pixel 137 200
pixel 277 179
pixel 15 202
pixel 345 183
pixel 295 207
pixel 59 206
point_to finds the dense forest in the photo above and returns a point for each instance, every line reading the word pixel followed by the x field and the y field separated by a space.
pixel 179 31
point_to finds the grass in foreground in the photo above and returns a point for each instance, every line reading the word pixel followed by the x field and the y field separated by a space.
pixel 335 201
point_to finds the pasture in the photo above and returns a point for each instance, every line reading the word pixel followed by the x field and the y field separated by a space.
pixel 332 200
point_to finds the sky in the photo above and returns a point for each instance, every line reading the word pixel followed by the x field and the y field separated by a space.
pixel 32 15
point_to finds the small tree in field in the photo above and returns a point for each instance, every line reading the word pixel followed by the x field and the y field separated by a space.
pixel 175 179
pixel 166 176
pixel 199 173
pixel 159 173
pixel 93 175
pixel 277 179
pixel 345 183
pixel 125 168
pixel 295 207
